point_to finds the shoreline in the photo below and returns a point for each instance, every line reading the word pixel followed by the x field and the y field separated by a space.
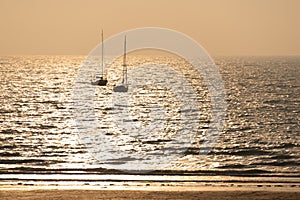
pixel 148 186
pixel 113 186
pixel 147 182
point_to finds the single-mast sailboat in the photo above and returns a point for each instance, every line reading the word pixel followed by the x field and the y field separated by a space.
pixel 123 87
pixel 102 81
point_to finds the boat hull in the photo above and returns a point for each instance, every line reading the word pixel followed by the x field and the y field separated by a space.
pixel 121 88
pixel 100 82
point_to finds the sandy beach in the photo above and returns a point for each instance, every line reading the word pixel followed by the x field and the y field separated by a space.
pixel 134 194
pixel 282 192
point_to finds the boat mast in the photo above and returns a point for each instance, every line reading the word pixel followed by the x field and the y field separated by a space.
pixel 124 64
pixel 102 54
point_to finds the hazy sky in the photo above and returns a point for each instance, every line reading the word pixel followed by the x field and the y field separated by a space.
pixel 223 27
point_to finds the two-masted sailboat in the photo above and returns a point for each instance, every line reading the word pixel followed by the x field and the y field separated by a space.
pixel 102 81
pixel 123 87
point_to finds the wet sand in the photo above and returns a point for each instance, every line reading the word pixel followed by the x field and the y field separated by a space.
pixel 216 194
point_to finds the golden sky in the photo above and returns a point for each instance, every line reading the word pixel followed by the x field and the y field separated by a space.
pixel 222 27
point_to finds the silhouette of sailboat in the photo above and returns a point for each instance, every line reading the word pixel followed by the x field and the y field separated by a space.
pixel 102 81
pixel 123 87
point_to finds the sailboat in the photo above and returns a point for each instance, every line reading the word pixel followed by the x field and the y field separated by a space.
pixel 123 87
pixel 102 81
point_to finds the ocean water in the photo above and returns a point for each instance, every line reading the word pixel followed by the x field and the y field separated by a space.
pixel 39 133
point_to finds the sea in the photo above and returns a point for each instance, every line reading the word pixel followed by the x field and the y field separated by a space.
pixel 45 139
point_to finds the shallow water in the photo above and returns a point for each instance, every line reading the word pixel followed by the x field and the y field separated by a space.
pixel 261 135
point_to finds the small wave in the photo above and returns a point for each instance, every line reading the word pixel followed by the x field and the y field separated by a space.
pixel 23 161
pixel 10 154
pixel 8 147
pixel 242 152
pixel 285 146
pixel 9 131
pixel 279 163
pixel 234 166
pixel 42 126
pixel 156 141
pixel 3 111
pixel 282 156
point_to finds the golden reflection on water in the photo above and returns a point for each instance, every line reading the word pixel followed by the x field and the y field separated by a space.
pixel 261 130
